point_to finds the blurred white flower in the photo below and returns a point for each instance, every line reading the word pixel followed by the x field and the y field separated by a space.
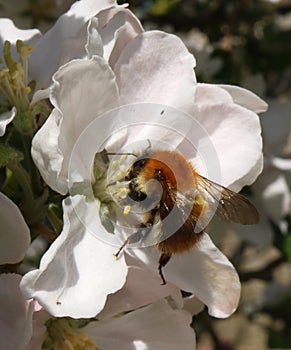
pixel 137 316
pixel 15 234
pixel 271 191
pixel 15 314
pixel 156 326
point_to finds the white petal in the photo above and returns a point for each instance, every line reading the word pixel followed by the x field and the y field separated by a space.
pixel 157 327
pixel 142 287
pixel 65 41
pixel 40 317
pixel 235 134
pixel 9 32
pixel 5 119
pixel 116 26
pixel 15 234
pixel 40 95
pixel 209 275
pixel 246 98
pixel 47 155
pixel 203 271
pixel 211 94
pixel 162 125
pixel 78 271
pixel 15 314
pixel 83 90
pixel 272 191
pixel 94 41
pixel 127 30
pixel 165 69
pixel 193 305
pixel 281 163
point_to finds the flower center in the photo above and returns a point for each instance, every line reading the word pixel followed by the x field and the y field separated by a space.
pixel 66 334
pixel 13 77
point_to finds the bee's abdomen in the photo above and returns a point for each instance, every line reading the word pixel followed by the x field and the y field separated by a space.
pixel 182 240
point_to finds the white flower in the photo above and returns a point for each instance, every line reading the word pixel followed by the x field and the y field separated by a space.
pixel 271 190
pixel 135 317
pixel 157 326
pixel 68 40
pixel 76 279
pixel 15 234
pixel 154 71
pixel 104 22
pixel 15 314
pixel 15 311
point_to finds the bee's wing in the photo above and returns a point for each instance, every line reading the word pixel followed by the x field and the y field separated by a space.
pixel 228 205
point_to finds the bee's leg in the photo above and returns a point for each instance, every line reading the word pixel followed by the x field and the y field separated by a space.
pixel 133 238
pixel 164 259
pixel 116 255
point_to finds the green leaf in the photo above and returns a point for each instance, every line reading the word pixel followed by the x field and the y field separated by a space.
pixel 9 155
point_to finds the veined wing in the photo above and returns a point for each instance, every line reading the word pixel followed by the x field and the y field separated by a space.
pixel 228 205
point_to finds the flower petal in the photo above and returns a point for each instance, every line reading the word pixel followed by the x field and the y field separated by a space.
pixel 203 271
pixel 15 314
pixel 235 134
pixel 281 163
pixel 8 31
pixel 78 271
pixel 82 91
pixel 47 155
pixel 246 98
pixel 272 191
pixel 40 317
pixel 193 305
pixel 65 41
pixel 142 287
pixel 94 41
pixel 5 119
pixel 211 94
pixel 127 31
pixel 15 234
pixel 157 327
pixel 164 66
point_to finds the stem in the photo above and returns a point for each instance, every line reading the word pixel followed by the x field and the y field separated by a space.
pixel 26 153
pixel 24 180
pixel 46 232
pixel 54 220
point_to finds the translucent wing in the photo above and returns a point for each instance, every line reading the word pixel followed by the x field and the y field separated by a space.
pixel 226 204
